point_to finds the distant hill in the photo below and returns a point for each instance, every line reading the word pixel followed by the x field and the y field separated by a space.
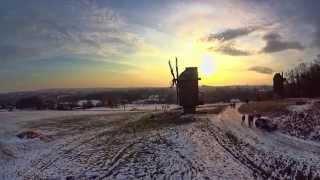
pixel 210 93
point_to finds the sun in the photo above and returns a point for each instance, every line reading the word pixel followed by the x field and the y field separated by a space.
pixel 207 66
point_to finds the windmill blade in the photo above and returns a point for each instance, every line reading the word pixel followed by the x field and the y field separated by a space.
pixel 177 70
pixel 177 80
pixel 172 83
pixel 171 70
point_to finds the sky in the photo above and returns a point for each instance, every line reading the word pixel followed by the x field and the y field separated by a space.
pixel 123 43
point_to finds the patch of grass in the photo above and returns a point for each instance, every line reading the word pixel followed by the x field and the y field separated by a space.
pixel 214 110
pixel 73 125
pixel 5 153
pixel 156 121
pixel 234 139
pixel 264 107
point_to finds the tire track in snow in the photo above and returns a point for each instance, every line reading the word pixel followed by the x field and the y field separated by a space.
pixel 267 164
pixel 225 142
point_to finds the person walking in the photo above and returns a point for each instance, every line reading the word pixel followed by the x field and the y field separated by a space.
pixel 243 119
pixel 250 120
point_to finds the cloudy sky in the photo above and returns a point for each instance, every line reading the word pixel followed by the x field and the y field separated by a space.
pixel 125 43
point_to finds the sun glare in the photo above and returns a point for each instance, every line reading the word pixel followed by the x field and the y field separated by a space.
pixel 207 66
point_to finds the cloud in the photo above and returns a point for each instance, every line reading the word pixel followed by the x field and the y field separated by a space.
pixel 261 69
pixel 55 28
pixel 8 52
pixel 226 43
pixel 230 34
pixel 316 40
pixel 307 15
pixel 230 50
pixel 301 18
pixel 272 36
pixel 274 43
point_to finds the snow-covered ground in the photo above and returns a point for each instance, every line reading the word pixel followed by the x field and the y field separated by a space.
pixel 302 121
pixel 138 107
pixel 145 142
pixel 11 121
pixel 264 148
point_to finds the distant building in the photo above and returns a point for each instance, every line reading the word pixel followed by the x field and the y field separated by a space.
pixel 89 103
pixel 94 102
pixel 235 100
pixel 65 106
pixel 152 99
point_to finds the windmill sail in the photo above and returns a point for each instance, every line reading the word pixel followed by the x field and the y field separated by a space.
pixel 172 73
pixel 177 81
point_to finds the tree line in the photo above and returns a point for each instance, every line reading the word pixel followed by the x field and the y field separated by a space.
pixel 300 81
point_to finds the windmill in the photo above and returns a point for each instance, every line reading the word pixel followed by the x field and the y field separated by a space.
pixel 186 85
pixel 175 81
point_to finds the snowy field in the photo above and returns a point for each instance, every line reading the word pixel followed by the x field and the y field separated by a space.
pixel 11 121
pixel 146 142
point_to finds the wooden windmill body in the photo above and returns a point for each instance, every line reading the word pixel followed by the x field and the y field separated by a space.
pixel 187 87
